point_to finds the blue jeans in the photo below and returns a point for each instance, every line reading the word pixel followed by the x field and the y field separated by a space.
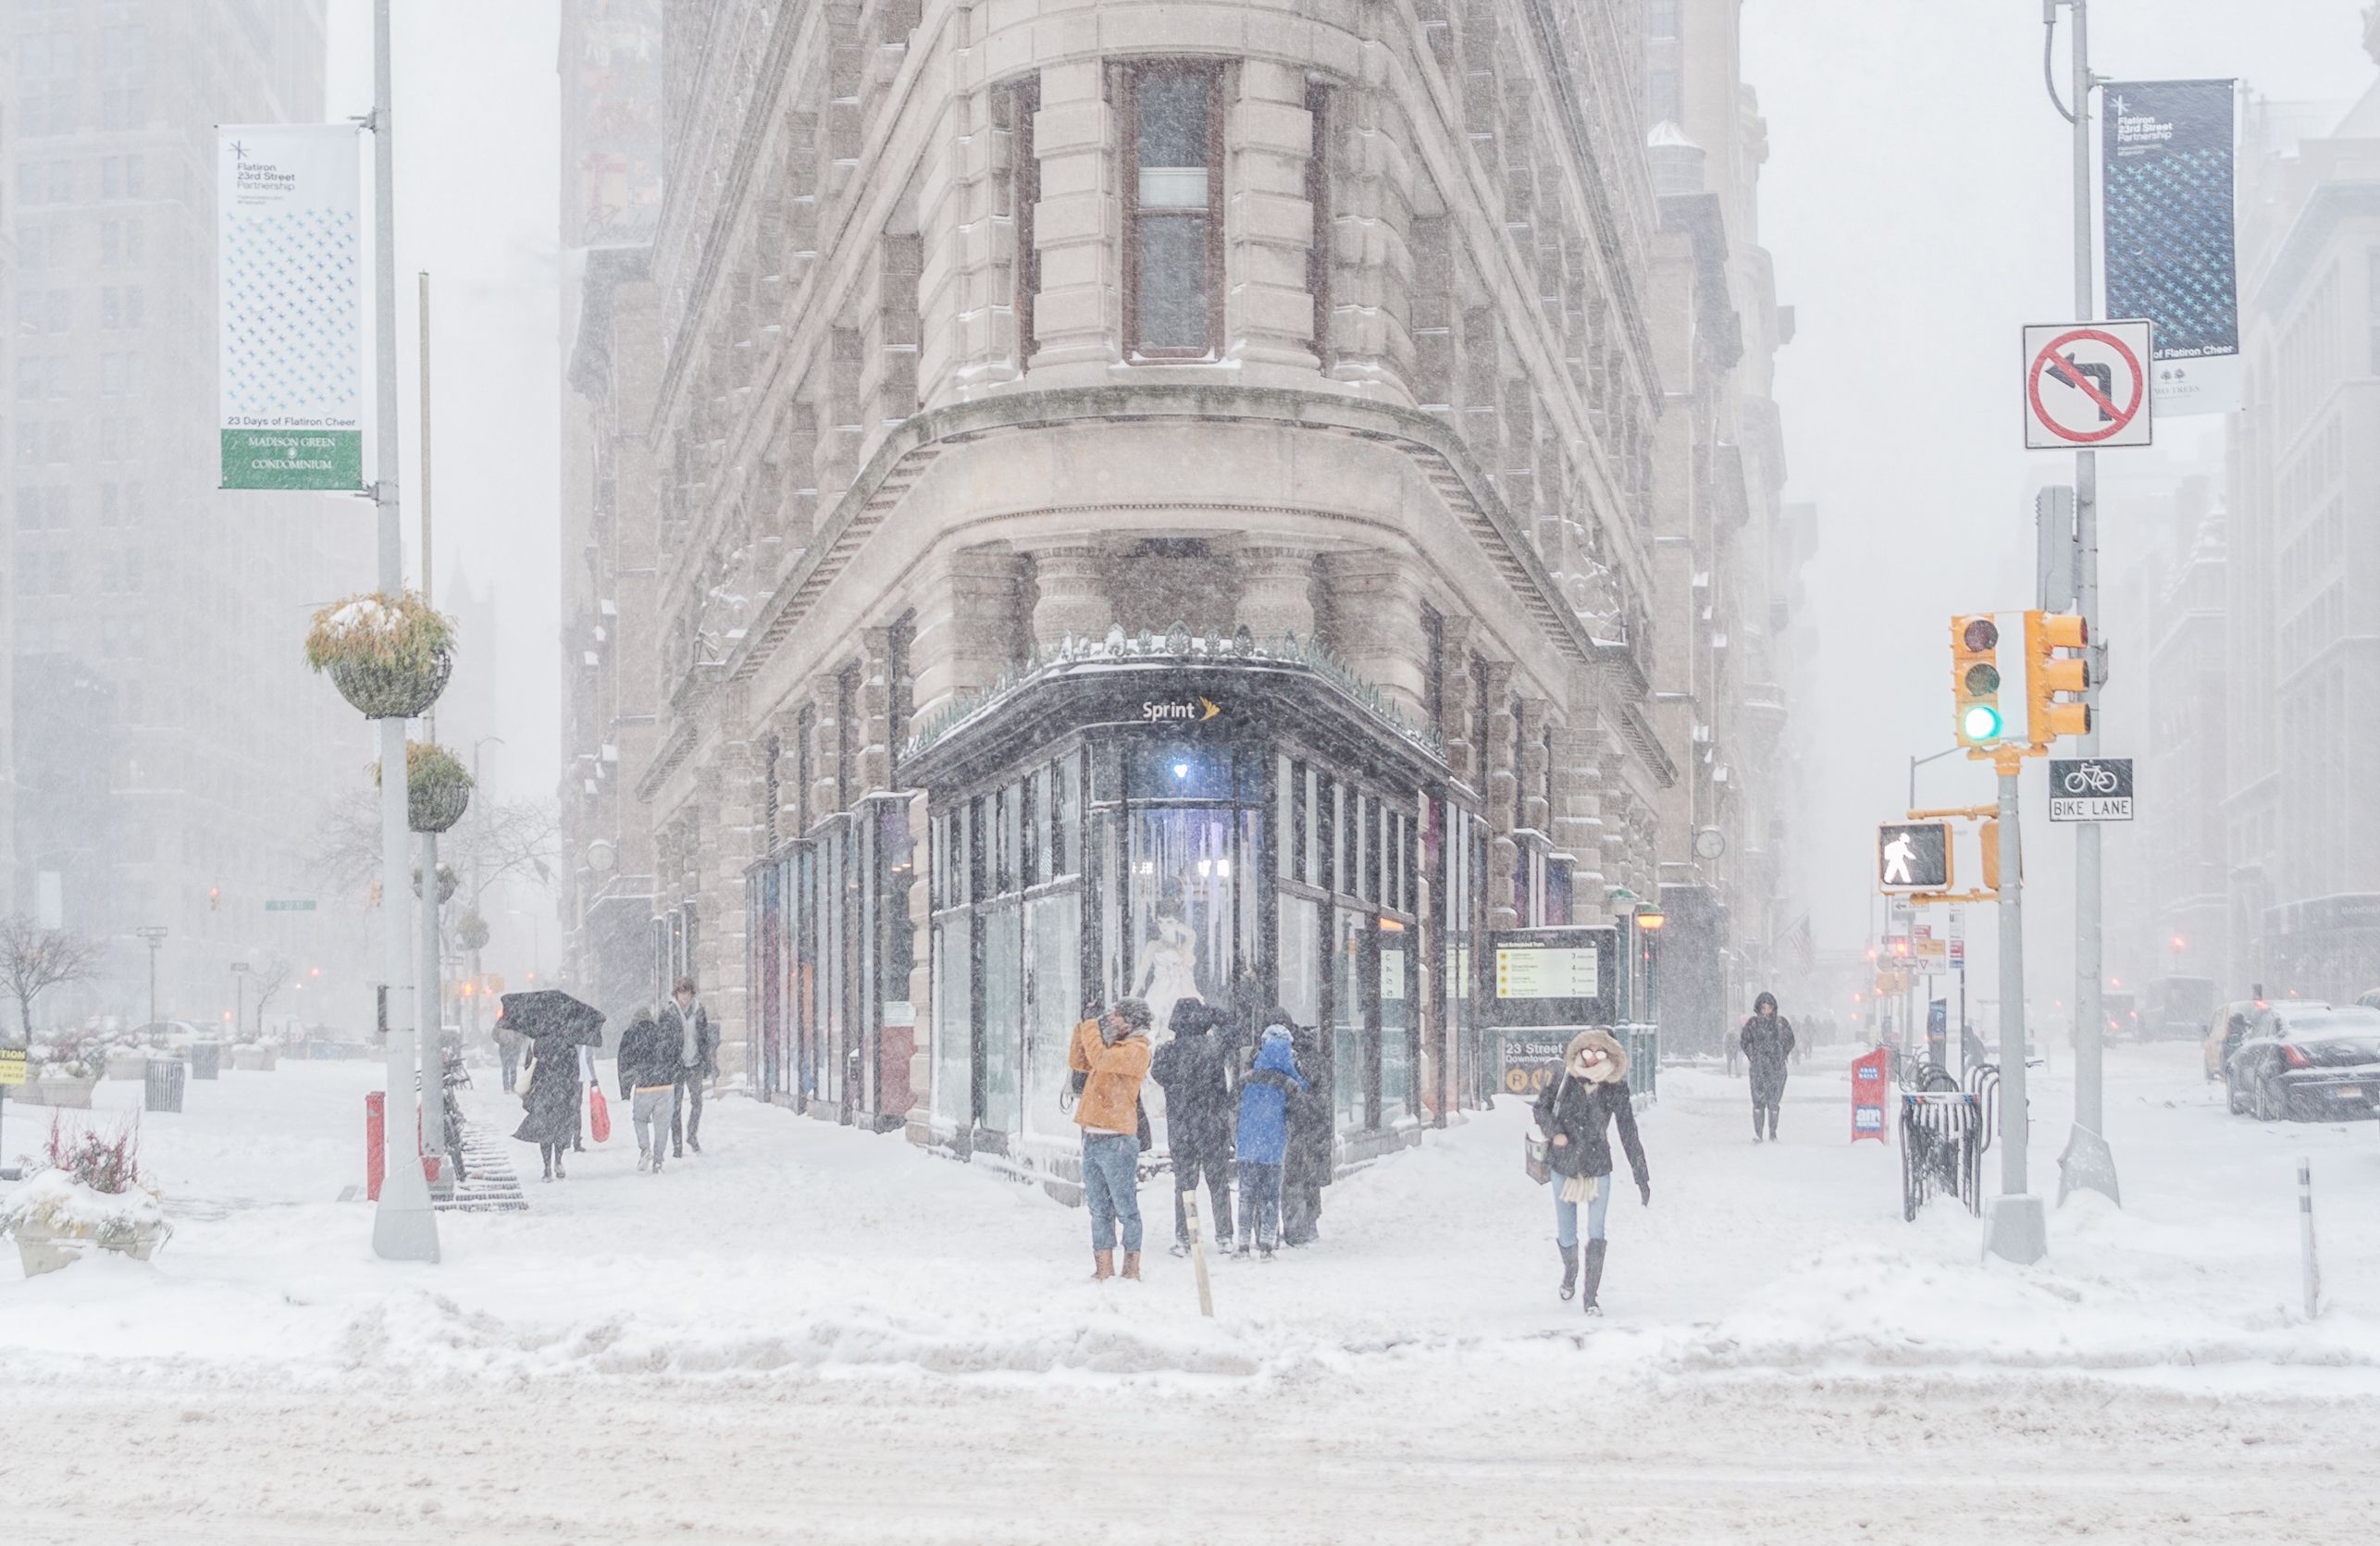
pixel 1566 1214
pixel 1111 1188
pixel 1259 1203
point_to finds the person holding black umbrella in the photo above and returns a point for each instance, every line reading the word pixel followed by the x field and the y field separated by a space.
pixel 556 1026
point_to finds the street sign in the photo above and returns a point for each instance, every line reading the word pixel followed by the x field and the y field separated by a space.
pixel 1912 856
pixel 306 904
pixel 2087 385
pixel 1957 961
pixel 2090 789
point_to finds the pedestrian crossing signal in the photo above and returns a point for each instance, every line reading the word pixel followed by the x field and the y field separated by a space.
pixel 1974 680
pixel 1912 856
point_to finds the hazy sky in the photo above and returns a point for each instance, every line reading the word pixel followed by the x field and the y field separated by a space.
pixel 477 180
pixel 1918 202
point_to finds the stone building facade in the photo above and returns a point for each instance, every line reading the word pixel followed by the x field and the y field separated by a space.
pixel 1152 498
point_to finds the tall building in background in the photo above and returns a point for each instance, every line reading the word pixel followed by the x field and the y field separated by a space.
pixel 612 152
pixel 1219 513
pixel 172 755
pixel 1726 552
pixel 2304 554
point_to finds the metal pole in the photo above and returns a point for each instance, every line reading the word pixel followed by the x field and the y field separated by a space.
pixel 2309 1271
pixel 2087 1161
pixel 403 1228
pixel 2016 1229
pixel 433 996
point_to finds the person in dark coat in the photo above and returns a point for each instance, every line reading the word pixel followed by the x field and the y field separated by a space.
pixel 552 1103
pixel 1575 1114
pixel 1767 1041
pixel 688 1024
pixel 648 1069
pixel 1307 1168
pixel 1193 1072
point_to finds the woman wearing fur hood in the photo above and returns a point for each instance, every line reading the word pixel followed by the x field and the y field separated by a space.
pixel 1575 1113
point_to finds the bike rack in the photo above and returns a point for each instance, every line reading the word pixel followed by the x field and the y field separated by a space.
pixel 1983 1084
pixel 1941 1148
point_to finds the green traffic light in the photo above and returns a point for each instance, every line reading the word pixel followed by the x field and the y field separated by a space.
pixel 1980 722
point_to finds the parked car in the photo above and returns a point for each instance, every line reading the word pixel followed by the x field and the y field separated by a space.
pixel 2307 1062
pixel 2224 1030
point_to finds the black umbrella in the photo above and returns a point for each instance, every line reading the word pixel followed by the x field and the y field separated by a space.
pixel 551 1012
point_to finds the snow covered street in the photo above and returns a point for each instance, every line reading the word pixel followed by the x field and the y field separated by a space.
pixel 808 1328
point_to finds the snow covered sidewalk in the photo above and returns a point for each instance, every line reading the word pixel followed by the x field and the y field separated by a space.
pixel 812 1314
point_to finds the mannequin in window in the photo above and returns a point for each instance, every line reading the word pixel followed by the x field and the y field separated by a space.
pixel 1169 964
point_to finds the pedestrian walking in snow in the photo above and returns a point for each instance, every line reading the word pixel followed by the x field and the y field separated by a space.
pixel 1767 1041
pixel 689 1027
pixel 1113 1059
pixel 508 1053
pixel 1193 1072
pixel 1576 1113
pixel 551 1106
pixel 1268 1097
pixel 649 1069
pixel 1305 1166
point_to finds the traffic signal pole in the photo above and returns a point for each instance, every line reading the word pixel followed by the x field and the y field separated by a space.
pixel 2087 1161
pixel 2016 1229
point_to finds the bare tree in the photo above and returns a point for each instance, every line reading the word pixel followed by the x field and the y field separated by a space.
pixel 268 980
pixel 494 839
pixel 32 959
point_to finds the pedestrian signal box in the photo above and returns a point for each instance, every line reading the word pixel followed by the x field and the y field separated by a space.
pixel 1912 856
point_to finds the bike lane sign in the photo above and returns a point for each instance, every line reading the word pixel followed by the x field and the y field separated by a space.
pixel 2090 789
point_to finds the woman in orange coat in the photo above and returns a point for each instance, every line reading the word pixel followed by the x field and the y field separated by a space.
pixel 1111 1056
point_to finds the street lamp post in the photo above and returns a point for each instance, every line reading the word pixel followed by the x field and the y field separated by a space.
pixel 154 934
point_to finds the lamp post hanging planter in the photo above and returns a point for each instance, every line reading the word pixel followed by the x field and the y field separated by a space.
pixel 438 787
pixel 389 656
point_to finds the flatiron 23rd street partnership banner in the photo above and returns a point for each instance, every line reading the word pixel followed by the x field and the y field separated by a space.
pixel 2166 165
pixel 290 330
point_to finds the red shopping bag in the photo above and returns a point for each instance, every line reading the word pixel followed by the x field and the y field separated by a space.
pixel 599 1114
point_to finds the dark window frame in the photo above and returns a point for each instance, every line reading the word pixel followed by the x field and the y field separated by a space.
pixel 1318 198
pixel 1024 195
pixel 1127 92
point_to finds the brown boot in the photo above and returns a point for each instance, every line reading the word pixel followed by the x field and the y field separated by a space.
pixel 1104 1265
pixel 1131 1265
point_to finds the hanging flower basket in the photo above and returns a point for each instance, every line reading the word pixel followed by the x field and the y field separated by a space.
pixel 389 656
pixel 438 789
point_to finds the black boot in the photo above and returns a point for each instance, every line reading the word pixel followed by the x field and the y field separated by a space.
pixel 1569 1269
pixel 1772 1124
pixel 1594 1275
pixel 1756 1116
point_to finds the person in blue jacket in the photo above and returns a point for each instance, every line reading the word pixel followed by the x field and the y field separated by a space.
pixel 1272 1083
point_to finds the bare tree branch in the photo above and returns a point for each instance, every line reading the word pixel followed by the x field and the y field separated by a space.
pixel 495 838
pixel 33 959
pixel 268 980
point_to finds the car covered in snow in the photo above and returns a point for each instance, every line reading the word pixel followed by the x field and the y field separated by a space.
pixel 2307 1062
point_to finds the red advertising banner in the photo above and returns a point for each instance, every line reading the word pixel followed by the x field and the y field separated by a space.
pixel 1868 1097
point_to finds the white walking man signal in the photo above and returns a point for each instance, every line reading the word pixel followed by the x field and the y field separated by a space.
pixel 1897 855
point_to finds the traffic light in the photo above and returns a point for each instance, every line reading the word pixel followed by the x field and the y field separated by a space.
pixel 215 898
pixel 2056 676
pixel 1990 832
pixel 1974 679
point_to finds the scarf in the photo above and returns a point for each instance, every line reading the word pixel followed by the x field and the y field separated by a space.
pixel 691 1052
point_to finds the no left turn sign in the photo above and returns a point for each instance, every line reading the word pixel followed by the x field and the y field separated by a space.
pixel 2086 385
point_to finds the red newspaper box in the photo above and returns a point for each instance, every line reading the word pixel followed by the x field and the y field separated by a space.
pixel 1868 1097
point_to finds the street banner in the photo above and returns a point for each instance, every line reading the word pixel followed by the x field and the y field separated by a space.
pixel 2166 176
pixel 290 318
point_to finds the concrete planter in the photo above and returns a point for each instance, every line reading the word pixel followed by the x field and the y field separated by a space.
pixel 60 1089
pixel 43 1249
pixel 128 1065
pixel 256 1059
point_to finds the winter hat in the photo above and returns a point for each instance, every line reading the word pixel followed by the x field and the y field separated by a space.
pixel 1614 1065
pixel 1190 1018
pixel 1767 999
pixel 1279 1016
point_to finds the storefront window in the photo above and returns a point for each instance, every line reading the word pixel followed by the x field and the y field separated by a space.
pixel 1350 1022
pixel 954 1015
pixel 1300 961
pixel 1395 1022
pixel 1184 922
pixel 1066 841
pixel 1003 1011
pixel 1053 996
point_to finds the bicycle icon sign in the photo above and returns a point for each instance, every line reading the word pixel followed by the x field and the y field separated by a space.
pixel 2090 789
